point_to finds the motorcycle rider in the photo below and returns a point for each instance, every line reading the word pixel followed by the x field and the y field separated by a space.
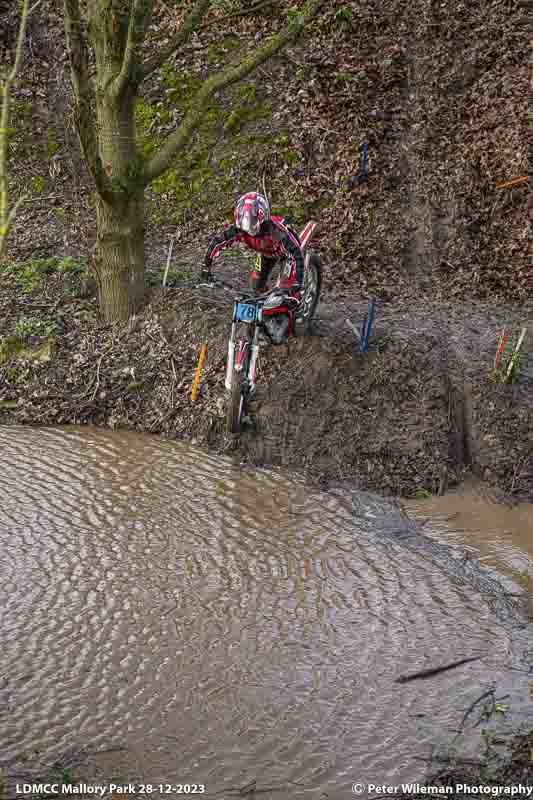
pixel 270 237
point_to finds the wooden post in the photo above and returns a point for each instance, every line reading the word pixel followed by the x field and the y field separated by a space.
pixel 515 354
pixel 169 256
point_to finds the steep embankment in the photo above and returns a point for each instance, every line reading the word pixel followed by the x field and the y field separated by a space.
pixel 409 416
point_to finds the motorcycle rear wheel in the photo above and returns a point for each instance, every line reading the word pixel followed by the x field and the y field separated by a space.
pixel 311 291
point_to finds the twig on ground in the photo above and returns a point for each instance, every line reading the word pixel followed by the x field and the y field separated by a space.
pixel 46 197
pixel 429 673
pixel 98 374
pixel 474 704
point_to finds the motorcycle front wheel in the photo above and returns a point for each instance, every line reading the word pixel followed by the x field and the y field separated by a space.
pixel 236 404
pixel 237 398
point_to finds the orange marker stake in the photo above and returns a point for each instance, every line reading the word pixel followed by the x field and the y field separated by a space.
pixel 514 182
pixel 501 347
pixel 198 373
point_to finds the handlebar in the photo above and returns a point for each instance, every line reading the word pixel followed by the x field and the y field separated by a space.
pixel 239 293
pixel 229 288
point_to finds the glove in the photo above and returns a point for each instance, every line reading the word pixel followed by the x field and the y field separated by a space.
pixel 291 292
pixel 206 276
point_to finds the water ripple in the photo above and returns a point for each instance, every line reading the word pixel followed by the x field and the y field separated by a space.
pixel 151 593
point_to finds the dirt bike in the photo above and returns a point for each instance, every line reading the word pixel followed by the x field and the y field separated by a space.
pixel 274 316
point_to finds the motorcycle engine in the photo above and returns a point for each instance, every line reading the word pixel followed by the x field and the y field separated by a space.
pixel 277 327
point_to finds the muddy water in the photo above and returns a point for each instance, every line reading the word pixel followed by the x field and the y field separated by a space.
pixel 499 535
pixel 226 626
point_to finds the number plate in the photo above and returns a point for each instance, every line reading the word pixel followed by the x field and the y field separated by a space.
pixel 246 312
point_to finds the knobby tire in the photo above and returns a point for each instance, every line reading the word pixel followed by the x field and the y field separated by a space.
pixel 316 266
pixel 236 403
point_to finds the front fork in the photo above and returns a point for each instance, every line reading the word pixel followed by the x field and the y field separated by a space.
pixel 240 348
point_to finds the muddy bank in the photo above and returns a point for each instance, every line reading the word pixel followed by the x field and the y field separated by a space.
pixel 413 415
pixel 508 766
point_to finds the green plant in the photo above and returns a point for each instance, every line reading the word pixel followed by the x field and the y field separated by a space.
pixel 67 777
pixel 72 265
pixel 14 375
pixel 345 76
pixel 52 145
pixel 293 13
pixel 422 494
pixel 9 345
pixel 174 277
pixel 37 184
pixel 499 374
pixel 201 327
pixel 29 326
pixel 30 273
pixel 7 267
pixel 344 18
pixel 516 368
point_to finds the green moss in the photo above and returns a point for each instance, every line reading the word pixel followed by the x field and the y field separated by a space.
pixel 20 133
pixel 52 145
pixel 217 53
pixel 290 155
pixel 205 172
pixel 345 76
pixel 135 387
pixel 10 346
pixel 7 404
pixel 248 108
pixel 37 184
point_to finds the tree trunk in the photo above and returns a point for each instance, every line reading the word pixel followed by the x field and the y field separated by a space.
pixel 119 262
pixel 120 221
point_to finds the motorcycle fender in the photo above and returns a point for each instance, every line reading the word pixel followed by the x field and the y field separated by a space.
pixel 239 361
pixel 306 234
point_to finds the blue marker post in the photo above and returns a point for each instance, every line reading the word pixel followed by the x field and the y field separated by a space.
pixel 357 180
pixel 363 177
pixel 366 328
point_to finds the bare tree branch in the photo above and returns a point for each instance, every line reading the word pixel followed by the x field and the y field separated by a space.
pixel 247 12
pixel 191 23
pixel 182 37
pixel 138 22
pixel 162 159
pixel 83 92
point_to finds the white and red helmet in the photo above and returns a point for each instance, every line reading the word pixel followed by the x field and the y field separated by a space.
pixel 251 211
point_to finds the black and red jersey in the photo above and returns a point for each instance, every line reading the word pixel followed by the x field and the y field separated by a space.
pixel 274 240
